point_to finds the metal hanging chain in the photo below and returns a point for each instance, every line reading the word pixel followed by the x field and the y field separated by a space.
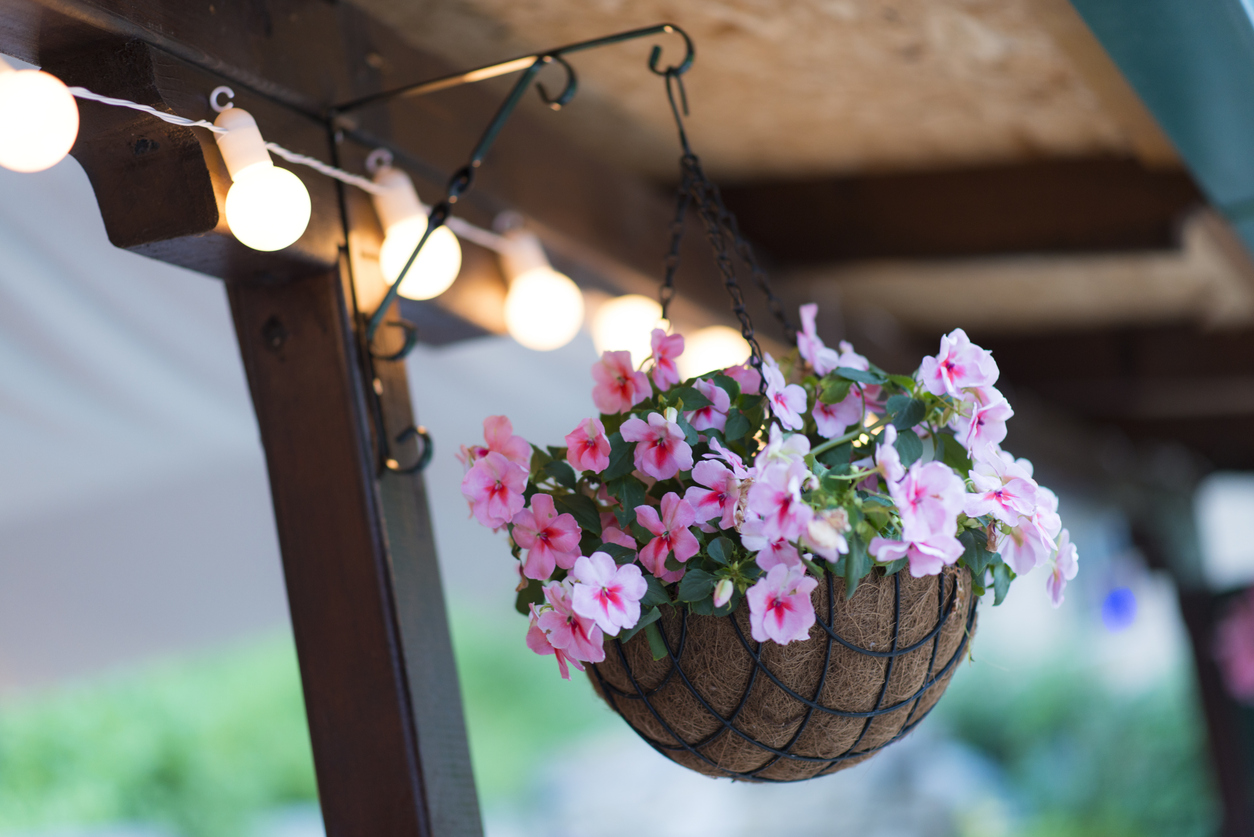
pixel 722 230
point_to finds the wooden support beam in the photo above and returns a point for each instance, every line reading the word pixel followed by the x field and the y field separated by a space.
pixel 1047 206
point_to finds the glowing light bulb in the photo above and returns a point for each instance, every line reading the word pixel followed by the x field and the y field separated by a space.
pixel 627 323
pixel 544 308
pixel 715 347
pixel 404 220
pixel 267 208
pixel 38 119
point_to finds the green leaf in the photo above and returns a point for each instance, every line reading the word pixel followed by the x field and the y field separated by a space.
pixel 975 551
pixel 837 457
pixel 705 607
pixel 620 554
pixel 952 453
pixel 910 414
pixel 1002 576
pixel 621 462
pixel 656 595
pixel 647 618
pixel 862 376
pixel 533 593
pixel 909 447
pixel 629 492
pixel 903 381
pixel 691 396
pixel 589 543
pixel 690 434
pixel 896 566
pixel 737 426
pixel 857 565
pixel 721 550
pixel 657 646
pixel 556 452
pixel 562 473
pixel 539 458
pixel 833 390
pixel 696 585
pixel 729 385
pixel 582 508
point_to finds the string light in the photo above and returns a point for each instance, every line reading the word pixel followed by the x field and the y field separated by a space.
pixel 627 323
pixel 38 119
pixel 267 208
pixel 711 348
pixel 544 308
pixel 404 220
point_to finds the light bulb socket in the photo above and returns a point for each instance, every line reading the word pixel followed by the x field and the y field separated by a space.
pixel 242 146
pixel 523 253
pixel 399 200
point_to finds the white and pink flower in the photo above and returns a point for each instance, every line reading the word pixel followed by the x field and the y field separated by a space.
pixel 714 416
pixel 719 496
pixel 775 497
pixel 788 401
pixel 779 605
pixel 959 365
pixel 608 593
pixel 1065 567
pixel 812 348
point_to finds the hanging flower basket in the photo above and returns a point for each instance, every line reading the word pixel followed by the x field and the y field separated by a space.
pixel 724 705
pixel 770 570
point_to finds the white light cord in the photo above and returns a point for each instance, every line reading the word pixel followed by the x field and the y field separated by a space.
pixel 365 184
pixel 477 235
pixel 462 228
pixel 84 93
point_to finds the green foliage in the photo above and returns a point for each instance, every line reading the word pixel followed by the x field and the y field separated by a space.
pixel 860 376
pixel 737 426
pixel 833 389
pixel 1085 762
pixel 647 617
pixel 199 747
pixel 696 585
pixel 856 564
pixel 561 472
pixel 657 645
pixel 686 398
pixel 532 594
pixel 656 594
pixel 582 508
pixel 909 447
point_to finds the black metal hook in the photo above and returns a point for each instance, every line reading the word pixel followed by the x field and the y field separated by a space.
pixel 690 54
pixel 424 456
pixel 411 340
pixel 568 92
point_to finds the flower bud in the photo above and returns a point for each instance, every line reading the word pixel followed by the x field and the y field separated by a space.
pixel 671 414
pixel 723 592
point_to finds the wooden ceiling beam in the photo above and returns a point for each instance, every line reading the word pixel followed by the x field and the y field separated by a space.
pixel 1048 206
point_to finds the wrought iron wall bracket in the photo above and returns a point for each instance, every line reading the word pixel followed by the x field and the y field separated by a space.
pixel 530 66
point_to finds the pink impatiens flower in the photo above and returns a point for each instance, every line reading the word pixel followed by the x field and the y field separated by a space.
pixel 662 451
pixel 986 425
pixel 732 459
pixel 788 401
pixel 719 496
pixel 928 555
pixel 577 635
pixel 929 498
pixel 745 375
pixel 619 386
pixel 611 533
pixel 812 348
pixel 587 449
pixel 666 347
pixel 959 365
pixel 780 607
pixel 1066 565
pixel 498 432
pixel 715 415
pixel 887 459
pixel 494 486
pixel 608 593
pixel 551 539
pixel 770 552
pixel 672 535
pixel 1030 543
pixel 776 498
pixel 538 641
pixel 831 420
pixel 1006 500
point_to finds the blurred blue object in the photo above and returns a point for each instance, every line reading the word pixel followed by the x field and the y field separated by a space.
pixel 1119 609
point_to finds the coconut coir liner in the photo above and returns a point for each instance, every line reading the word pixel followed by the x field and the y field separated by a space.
pixel 718 669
